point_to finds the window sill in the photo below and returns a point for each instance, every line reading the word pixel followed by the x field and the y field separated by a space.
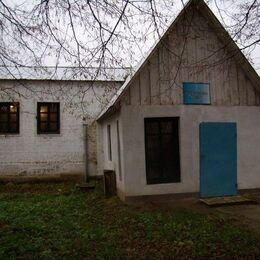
pixel 48 135
pixel 163 183
pixel 10 135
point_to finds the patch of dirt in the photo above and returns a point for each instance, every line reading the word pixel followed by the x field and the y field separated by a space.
pixel 248 215
pixel 243 215
pixel 190 203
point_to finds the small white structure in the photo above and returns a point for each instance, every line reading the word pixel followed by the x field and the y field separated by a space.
pixel 47 120
pixel 187 121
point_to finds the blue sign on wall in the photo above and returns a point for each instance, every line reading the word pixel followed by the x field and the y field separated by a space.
pixel 196 93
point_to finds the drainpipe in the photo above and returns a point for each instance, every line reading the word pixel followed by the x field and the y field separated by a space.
pixel 85 134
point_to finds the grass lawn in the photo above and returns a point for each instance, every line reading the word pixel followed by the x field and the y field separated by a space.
pixel 56 221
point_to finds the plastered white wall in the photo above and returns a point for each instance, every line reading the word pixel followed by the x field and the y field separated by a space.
pixel 28 153
pixel 248 145
pixel 104 162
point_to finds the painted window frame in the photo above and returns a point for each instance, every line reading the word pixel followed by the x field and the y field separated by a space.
pixel 48 121
pixel 9 130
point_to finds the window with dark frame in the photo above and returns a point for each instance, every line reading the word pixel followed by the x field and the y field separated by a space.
pixel 9 118
pixel 162 150
pixel 48 118
pixel 109 144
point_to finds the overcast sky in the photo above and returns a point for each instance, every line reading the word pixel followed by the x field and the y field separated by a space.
pixel 226 7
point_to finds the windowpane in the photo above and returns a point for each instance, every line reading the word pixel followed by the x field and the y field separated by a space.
pixel 166 127
pixel 13 108
pixel 3 117
pixel 53 108
pixel 165 141
pixel 152 127
pixel 12 127
pixel 153 142
pixel 154 172
pixel 3 127
pixel 43 127
pixel 13 117
pixel 153 155
pixel 53 117
pixel 53 127
pixel 3 108
pixel 43 117
pixel 43 109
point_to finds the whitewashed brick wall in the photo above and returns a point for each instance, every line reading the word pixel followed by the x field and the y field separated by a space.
pixel 30 154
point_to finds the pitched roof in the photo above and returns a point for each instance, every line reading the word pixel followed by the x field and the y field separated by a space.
pixel 221 32
pixel 64 73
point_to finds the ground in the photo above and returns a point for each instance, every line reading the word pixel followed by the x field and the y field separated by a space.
pixel 57 221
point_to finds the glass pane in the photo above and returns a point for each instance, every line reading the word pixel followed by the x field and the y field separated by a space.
pixel 13 127
pixel 171 171
pixel 3 117
pixel 43 117
pixel 13 117
pixel 53 127
pixel 3 108
pixel 43 108
pixel 166 127
pixel 13 108
pixel 153 142
pixel 53 107
pixel 53 117
pixel 153 156
pixel 43 127
pixel 152 127
pixel 3 127
pixel 154 172
pixel 167 142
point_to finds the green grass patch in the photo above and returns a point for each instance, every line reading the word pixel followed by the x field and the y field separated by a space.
pixel 55 221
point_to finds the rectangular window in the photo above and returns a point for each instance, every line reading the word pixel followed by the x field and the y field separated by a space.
pixel 109 144
pixel 119 151
pixel 48 118
pixel 9 118
pixel 162 150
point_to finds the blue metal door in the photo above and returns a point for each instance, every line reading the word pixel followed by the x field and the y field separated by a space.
pixel 218 159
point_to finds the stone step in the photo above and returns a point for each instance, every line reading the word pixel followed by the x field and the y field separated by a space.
pixel 227 200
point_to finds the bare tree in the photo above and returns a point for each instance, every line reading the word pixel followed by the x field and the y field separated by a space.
pixel 80 33
pixel 241 19
pixel 102 33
